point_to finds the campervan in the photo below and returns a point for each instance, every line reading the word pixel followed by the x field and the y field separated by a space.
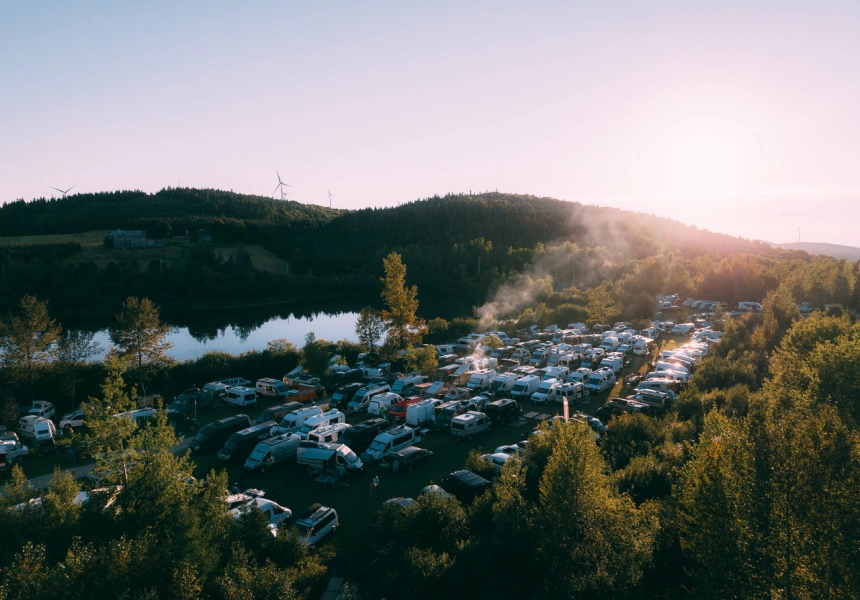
pixel 525 387
pixel 295 420
pixel 321 420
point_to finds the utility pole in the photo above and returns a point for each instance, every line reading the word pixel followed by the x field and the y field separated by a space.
pixel 479 266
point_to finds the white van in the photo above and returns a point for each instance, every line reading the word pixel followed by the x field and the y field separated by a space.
pixel 219 387
pixel 470 424
pixel 525 387
pixel 272 452
pixel 294 420
pixel 422 413
pixel 272 387
pixel 614 362
pixel 666 373
pixel 480 381
pixel 38 432
pixel 610 343
pixel 502 384
pixel 321 420
pixel 671 366
pixel 241 396
pixel 362 397
pixel 600 381
pixel 581 375
pixel 380 404
pixel 328 434
pixel 391 441
pixel 545 391
pixel 660 385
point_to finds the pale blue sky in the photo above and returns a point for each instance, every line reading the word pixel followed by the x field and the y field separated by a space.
pixel 740 117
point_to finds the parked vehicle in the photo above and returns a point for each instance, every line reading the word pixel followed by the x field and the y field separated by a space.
pixel 380 404
pixel 610 343
pixel 329 433
pixel 504 411
pixel 324 419
pixel 40 408
pixel 316 524
pixel 359 436
pixel 219 387
pixel 274 512
pixel 600 381
pixel 180 422
pixel 502 385
pixel 545 391
pixel 465 485
pixel 329 458
pixel 390 441
pixel 447 411
pixel 525 387
pixel 437 390
pixel 581 375
pixel 397 412
pixel 405 459
pixel 194 399
pixel 498 460
pixel 12 451
pixel 38 433
pixel 72 421
pixel 362 397
pixel 661 385
pixel 241 396
pixel 273 452
pixel 422 413
pixel 654 398
pixel 240 444
pixel 293 421
pixel 405 385
pixel 278 412
pixel 480 381
pixel 214 435
pixel 272 388
pixel 341 396
pixel 457 394
pixel 470 424
pixel 574 392
pixel 613 361
pixel 618 406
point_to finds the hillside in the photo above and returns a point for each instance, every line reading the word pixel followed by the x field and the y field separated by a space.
pixel 835 250
pixel 230 216
pixel 459 249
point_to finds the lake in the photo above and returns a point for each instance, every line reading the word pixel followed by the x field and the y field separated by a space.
pixel 251 328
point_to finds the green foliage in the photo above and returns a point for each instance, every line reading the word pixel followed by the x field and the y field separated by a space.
pixel 370 327
pixel 140 337
pixel 404 329
pixel 316 355
pixel 28 340
pixel 422 360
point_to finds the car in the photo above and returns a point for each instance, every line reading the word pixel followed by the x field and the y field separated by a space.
pixel 273 511
pixel 403 503
pixel 435 490
pixel 498 460
pixel 513 450
pixel 317 523
pixel 406 459
pixel 72 420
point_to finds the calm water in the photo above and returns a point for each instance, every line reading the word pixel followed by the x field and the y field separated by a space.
pixel 239 330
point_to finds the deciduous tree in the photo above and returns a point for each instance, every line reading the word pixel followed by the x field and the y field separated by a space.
pixel 404 328
pixel 141 337
pixel 370 327
pixel 28 339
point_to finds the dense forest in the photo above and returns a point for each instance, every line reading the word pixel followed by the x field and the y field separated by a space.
pixel 460 249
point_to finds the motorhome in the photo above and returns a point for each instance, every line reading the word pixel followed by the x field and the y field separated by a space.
pixel 240 444
pixel 390 441
pixel 278 412
pixel 359 436
pixel 504 410
pixel 329 458
pixel 671 366
pixel 329 433
pixel 241 396
pixel 574 392
pixel 38 433
pixel 219 387
pixel 750 306
pixel 380 404
pixel 525 387
pixel 362 397
pixel 213 435
pixel 422 413
pixel 295 420
pixel 668 386
pixel 502 384
pixel 656 399
pixel 613 361
pixel 581 375
pixel 329 417
pixel 600 381
pixel 405 385
pixel 545 390
pixel 540 357
pixel 480 381
pixel 437 389
pixel 559 373
pixel 610 343
pixel 470 424
pixel 272 388
pixel 273 452
pixel 341 396
pixel 447 411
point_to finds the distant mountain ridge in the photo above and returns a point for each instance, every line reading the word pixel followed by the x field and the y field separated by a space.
pixel 835 250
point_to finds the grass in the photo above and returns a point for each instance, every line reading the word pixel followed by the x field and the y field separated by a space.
pixel 86 239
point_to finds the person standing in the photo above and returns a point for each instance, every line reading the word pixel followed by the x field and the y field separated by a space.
pixel 373 487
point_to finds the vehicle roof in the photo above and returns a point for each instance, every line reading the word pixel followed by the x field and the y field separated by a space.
pixel 313 514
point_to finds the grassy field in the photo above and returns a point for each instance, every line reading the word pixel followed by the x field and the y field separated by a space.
pixel 172 252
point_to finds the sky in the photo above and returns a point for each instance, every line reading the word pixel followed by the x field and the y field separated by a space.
pixel 738 117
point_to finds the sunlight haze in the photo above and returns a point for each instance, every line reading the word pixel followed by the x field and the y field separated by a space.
pixel 734 118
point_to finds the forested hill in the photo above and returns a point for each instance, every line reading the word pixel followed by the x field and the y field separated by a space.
pixel 824 249
pixel 180 208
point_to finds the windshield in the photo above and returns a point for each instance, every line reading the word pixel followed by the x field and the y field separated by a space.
pixel 230 445
pixel 496 385
pixel 257 455
pixel 519 387
pixel 307 428
pixel 544 389
pixel 595 379
pixel 377 446
pixel 350 457
pixel 398 386
pixel 201 436
pixel 305 530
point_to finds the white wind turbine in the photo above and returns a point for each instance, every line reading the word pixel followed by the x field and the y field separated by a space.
pixel 281 185
pixel 63 192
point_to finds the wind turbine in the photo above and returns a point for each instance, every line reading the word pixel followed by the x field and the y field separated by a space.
pixel 329 197
pixel 63 192
pixel 281 186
